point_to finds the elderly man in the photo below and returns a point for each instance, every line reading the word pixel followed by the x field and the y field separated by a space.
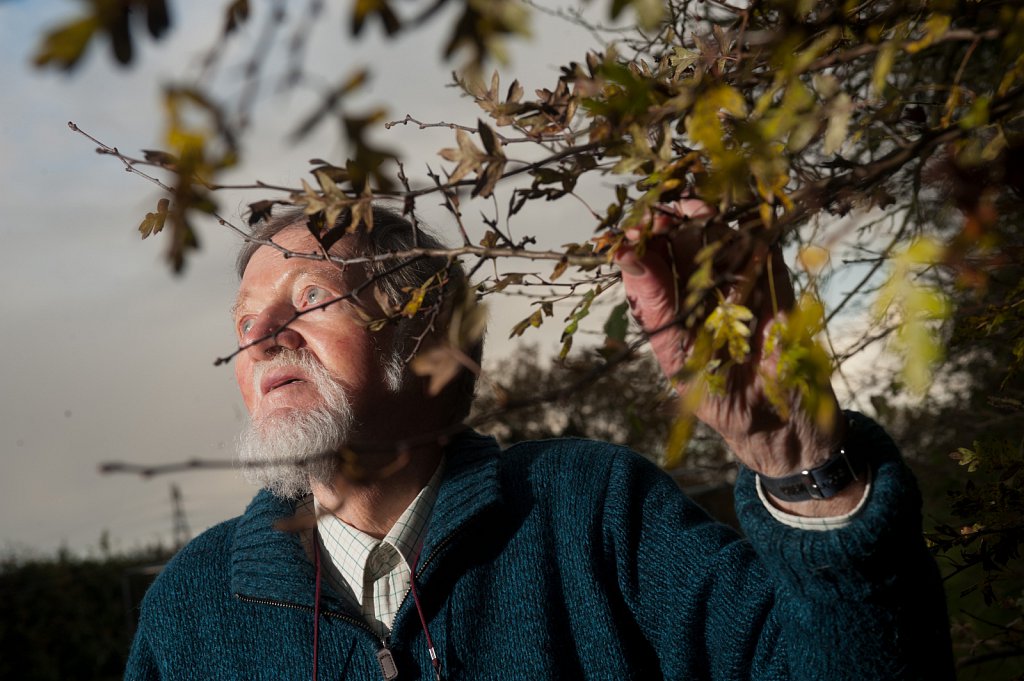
pixel 417 549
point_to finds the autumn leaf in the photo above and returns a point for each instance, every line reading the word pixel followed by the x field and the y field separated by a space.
pixel 440 363
pixel 559 269
pixel 802 367
pixel 489 99
pixel 468 157
pixel 416 296
pixel 508 280
pixel 534 320
pixel 154 222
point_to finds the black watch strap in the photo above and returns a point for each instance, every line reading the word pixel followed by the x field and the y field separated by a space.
pixel 821 482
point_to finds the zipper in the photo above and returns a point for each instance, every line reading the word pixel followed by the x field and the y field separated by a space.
pixel 423 566
pixel 305 608
pixel 384 657
pixel 436 550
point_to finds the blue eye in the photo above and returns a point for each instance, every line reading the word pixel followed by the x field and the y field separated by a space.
pixel 246 326
pixel 314 295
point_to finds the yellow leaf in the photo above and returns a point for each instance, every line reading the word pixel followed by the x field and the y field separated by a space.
pixel 819 47
pixel 704 124
pixel 728 325
pixel 682 428
pixel 923 251
pixel 648 13
pixel 840 112
pixel 412 306
pixel 883 65
pixel 934 28
pixel 813 258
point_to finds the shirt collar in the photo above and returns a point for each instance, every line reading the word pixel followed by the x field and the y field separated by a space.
pixel 347 549
pixel 272 562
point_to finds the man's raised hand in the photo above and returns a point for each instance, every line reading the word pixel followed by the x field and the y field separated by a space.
pixel 673 284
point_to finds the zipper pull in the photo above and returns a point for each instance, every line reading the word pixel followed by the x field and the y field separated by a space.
pixel 387 663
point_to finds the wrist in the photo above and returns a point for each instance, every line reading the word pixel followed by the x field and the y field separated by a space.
pixel 792 447
pixel 837 479
pixel 843 503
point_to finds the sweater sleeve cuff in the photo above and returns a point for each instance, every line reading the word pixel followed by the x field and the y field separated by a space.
pixel 810 523
pixel 849 561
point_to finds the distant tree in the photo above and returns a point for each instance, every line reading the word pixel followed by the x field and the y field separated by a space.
pixel 631 406
pixel 68 618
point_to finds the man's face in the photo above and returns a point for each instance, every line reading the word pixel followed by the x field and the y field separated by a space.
pixel 272 291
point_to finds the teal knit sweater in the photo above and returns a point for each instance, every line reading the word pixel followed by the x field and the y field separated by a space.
pixel 572 559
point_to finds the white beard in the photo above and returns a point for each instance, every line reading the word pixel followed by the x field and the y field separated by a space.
pixel 283 451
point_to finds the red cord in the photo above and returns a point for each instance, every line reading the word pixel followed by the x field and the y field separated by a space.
pixel 316 601
pixel 423 620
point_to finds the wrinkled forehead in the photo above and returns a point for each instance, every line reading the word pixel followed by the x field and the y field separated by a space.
pixel 296 239
pixel 285 258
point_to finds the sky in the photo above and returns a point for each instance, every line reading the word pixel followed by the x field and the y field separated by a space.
pixel 110 356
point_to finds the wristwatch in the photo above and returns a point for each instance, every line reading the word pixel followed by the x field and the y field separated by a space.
pixel 823 481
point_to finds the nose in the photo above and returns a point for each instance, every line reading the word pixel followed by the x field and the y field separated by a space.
pixel 271 330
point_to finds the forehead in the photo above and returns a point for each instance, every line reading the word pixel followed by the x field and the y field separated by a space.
pixel 269 266
pixel 296 239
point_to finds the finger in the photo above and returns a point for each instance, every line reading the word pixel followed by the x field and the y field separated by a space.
pixel 653 298
pixel 650 284
pixel 636 231
pixel 690 208
pixel 665 217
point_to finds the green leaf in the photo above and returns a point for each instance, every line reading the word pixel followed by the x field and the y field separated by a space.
pixel 617 324
pixel 977 116
pixel 64 46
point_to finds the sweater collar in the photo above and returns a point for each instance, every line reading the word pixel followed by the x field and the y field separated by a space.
pixel 267 562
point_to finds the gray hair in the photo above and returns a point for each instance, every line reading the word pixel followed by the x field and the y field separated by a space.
pixel 391 233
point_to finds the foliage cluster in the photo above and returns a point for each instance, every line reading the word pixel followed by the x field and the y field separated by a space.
pixel 70 618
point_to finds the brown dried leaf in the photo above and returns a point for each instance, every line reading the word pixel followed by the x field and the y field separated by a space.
pixel 440 363
pixel 468 156
pixel 153 223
